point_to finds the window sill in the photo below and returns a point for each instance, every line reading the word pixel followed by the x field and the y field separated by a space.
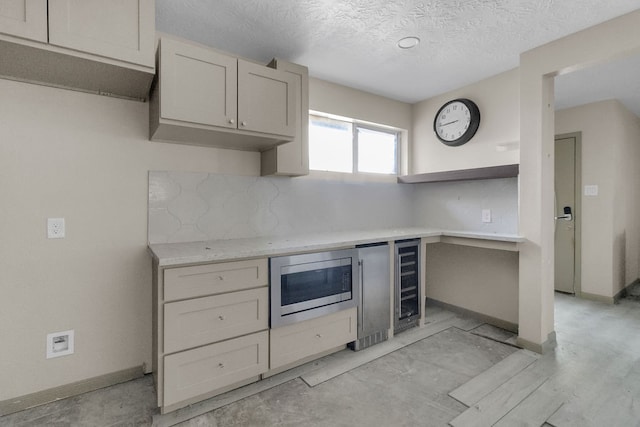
pixel 350 177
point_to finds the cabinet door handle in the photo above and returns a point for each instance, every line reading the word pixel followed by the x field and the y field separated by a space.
pixel 221 365
pixel 220 278
pixel 221 317
pixel 318 336
pixel 243 123
pixel 231 121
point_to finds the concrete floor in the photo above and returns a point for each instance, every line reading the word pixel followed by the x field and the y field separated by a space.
pixel 593 376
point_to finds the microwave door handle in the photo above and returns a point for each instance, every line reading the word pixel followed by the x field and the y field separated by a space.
pixel 361 289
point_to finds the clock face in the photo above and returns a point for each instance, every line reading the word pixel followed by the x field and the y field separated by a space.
pixel 456 122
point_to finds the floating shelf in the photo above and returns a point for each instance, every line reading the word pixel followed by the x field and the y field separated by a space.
pixel 492 172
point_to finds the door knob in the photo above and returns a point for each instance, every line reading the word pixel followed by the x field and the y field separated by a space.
pixel 567 216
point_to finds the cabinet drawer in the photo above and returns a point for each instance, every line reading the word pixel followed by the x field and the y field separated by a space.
pixel 200 280
pixel 294 342
pixel 205 320
pixel 202 370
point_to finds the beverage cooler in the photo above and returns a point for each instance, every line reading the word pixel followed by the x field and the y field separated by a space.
pixel 407 285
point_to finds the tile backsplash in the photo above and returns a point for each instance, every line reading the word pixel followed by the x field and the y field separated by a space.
pixel 459 205
pixel 189 206
pixel 185 206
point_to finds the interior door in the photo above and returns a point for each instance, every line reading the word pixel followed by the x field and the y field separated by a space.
pixel 565 173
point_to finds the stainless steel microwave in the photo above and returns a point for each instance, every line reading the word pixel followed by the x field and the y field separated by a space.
pixel 311 285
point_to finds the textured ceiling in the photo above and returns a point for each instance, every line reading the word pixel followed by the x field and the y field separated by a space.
pixel 615 80
pixel 353 42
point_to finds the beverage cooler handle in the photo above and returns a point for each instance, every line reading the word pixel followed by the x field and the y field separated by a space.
pixel 361 289
pixel 396 303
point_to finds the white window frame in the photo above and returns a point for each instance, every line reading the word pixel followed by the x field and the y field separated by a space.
pixel 354 144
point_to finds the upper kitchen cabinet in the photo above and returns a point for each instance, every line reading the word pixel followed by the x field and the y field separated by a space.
pixel 24 18
pixel 292 158
pixel 266 100
pixel 197 85
pixel 205 97
pixel 104 47
pixel 120 29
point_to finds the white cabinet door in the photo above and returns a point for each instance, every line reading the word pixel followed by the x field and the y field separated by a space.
pixel 292 158
pixel 117 29
pixel 24 18
pixel 266 100
pixel 197 85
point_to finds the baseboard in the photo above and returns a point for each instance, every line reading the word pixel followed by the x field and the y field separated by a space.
pixel 609 300
pixel 545 347
pixel 27 401
pixel 623 293
pixel 597 298
pixel 504 324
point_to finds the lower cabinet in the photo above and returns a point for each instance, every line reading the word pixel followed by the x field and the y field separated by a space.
pixel 211 331
pixel 199 371
pixel 291 343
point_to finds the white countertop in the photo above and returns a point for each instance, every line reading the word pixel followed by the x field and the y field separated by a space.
pixel 175 254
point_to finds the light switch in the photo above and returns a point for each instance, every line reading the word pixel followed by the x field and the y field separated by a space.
pixel 486 215
pixel 590 190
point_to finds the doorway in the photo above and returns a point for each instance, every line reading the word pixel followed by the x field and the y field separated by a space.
pixel 567 213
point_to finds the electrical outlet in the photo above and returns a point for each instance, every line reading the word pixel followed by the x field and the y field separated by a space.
pixel 55 228
pixel 60 344
pixel 486 215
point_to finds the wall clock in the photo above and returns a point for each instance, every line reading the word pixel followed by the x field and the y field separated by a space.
pixel 456 122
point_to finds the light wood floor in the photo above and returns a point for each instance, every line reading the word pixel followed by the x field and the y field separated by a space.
pixel 454 371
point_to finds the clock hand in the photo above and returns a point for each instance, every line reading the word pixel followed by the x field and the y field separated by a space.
pixel 446 124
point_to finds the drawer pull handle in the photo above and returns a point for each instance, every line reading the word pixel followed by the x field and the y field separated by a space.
pixel 221 365
pixel 221 317
pixel 231 121
pixel 243 123
pixel 221 278
pixel 318 336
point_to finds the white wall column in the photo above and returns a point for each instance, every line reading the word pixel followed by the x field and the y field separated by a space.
pixel 535 306
pixel 613 39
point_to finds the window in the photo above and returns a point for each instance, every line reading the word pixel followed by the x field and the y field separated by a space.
pixel 337 145
pixel 330 145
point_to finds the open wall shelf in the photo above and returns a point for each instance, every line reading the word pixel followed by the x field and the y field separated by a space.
pixel 492 172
